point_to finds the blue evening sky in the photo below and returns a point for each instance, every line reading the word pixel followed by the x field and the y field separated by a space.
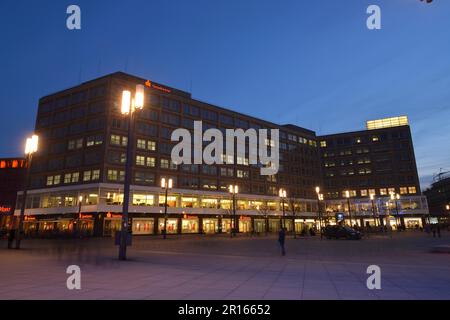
pixel 311 63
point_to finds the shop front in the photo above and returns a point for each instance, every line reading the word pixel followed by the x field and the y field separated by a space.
pixel 288 224
pixel 413 223
pixel 111 224
pixel 210 226
pixel 189 224
pixel 226 225
pixel 274 225
pixel 260 225
pixel 171 225
pixel 143 226
pixel 245 224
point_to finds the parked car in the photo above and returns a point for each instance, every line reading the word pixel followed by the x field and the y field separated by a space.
pixel 338 232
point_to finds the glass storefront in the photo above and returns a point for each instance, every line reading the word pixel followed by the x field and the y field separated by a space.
pixel 210 225
pixel 288 224
pixel 226 225
pixel 171 225
pixel 111 225
pixel 274 225
pixel 189 225
pixel 260 225
pixel 86 226
pixel 64 226
pixel 413 223
pixel 245 225
pixel 143 226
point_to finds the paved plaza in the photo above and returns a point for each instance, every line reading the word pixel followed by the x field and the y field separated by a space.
pixel 217 267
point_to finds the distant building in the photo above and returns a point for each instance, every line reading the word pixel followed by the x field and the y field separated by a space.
pixel 12 175
pixel 83 139
pixel 438 196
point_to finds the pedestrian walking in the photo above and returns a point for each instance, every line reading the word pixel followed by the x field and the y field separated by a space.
pixel 281 240
pixel 11 237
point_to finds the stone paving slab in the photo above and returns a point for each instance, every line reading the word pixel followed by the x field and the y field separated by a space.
pixel 220 268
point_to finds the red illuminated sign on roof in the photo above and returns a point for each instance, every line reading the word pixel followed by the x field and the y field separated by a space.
pixel 150 84
pixel 5 209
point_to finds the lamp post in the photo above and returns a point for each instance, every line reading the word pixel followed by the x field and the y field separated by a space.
pixel 78 220
pixel 372 199
pixel 282 194
pixel 347 195
pixel 129 106
pixel 395 198
pixel 30 148
pixel 319 213
pixel 293 218
pixel 166 185
pixel 234 190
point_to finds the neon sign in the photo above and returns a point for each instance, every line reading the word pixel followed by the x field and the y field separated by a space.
pixel 5 209
pixel 150 84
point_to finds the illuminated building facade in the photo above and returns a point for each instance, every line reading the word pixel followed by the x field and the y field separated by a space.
pixel 12 175
pixel 83 139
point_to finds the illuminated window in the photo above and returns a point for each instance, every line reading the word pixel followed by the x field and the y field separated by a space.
pixel 49 180
pixel 140 160
pixel 143 200
pixel 171 201
pixel 141 144
pixel 412 190
pixel 383 191
pixel 75 177
pixel 372 191
pixel 150 162
pixel 387 123
pixel 151 145
pixel 358 140
pixel 3 164
pixel 242 174
pixel 67 177
pixel 115 140
pixel 95 175
pixel 391 190
pixel 403 190
pixel 57 179
pixel 375 139
pixel 113 175
pixel 164 164
pixel 87 176
pixel 15 164
pixel 188 202
pixel 323 144
pixel 363 193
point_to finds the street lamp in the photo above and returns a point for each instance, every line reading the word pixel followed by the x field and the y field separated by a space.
pixel 233 189
pixel 31 147
pixel 319 213
pixel 347 195
pixel 128 108
pixel 372 199
pixel 166 185
pixel 395 198
pixel 282 194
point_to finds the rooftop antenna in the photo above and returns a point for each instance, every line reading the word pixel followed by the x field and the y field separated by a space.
pixel 79 74
pixel 99 67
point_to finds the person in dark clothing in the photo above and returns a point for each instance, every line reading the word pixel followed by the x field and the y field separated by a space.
pixel 11 237
pixel 281 240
